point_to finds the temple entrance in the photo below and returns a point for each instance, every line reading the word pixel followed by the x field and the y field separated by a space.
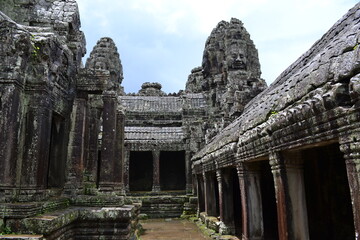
pixel 56 167
pixel 327 194
pixel 141 171
pixel 172 170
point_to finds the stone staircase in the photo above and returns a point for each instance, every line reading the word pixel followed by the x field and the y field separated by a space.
pixel 164 205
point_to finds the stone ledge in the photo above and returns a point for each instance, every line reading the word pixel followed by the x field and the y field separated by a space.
pixel 24 210
pixel 22 237
pixel 47 224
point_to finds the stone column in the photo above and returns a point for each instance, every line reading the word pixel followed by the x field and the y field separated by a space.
pixel 210 195
pixel 188 172
pixel 282 200
pixel 156 171
pixel 108 149
pixel 119 162
pixel 76 148
pixel 194 185
pixel 37 141
pixel 287 170
pixel 221 194
pixel 126 170
pixel 10 133
pixel 350 146
pixel 252 213
pixel 92 162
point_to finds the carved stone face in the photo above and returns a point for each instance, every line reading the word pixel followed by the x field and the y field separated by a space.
pixel 237 59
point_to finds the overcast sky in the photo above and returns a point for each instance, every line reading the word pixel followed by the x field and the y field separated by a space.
pixel 162 40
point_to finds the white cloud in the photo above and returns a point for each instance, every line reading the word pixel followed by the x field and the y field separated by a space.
pixel 153 30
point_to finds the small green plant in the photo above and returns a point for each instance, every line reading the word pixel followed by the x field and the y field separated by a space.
pixel 356 46
pixel 5 230
pixel 272 113
pixel 36 49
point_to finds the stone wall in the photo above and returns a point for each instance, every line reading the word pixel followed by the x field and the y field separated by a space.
pixel 62 127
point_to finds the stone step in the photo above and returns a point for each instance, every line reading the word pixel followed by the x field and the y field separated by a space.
pixel 162 206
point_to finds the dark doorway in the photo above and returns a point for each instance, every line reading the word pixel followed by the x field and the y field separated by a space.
pixel 172 170
pixel 237 203
pixel 56 167
pixel 327 194
pixel 212 195
pixel 268 202
pixel 141 171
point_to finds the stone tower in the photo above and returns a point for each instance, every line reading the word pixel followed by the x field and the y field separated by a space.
pixel 229 77
pixel 105 57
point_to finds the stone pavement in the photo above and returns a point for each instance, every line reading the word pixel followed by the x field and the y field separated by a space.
pixel 171 229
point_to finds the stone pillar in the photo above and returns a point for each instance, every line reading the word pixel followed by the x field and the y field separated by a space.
pixel 226 203
pixel 210 195
pixel 221 194
pixel 76 148
pixel 119 156
pixel 252 213
pixel 350 146
pixel 126 170
pixel 194 185
pixel 108 149
pixel 10 131
pixel 156 171
pixel 37 142
pixel 287 170
pixel 188 172
pixel 92 161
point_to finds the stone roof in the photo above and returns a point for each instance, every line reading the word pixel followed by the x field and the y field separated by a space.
pixel 194 100
pixel 317 76
pixel 162 104
pixel 151 103
pixel 165 134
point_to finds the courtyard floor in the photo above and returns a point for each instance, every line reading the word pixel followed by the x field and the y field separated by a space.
pixel 171 229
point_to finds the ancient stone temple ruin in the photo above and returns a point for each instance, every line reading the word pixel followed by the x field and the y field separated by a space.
pixel 81 159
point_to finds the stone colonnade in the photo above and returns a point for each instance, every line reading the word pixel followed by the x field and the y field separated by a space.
pixel 96 145
pixel 290 191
